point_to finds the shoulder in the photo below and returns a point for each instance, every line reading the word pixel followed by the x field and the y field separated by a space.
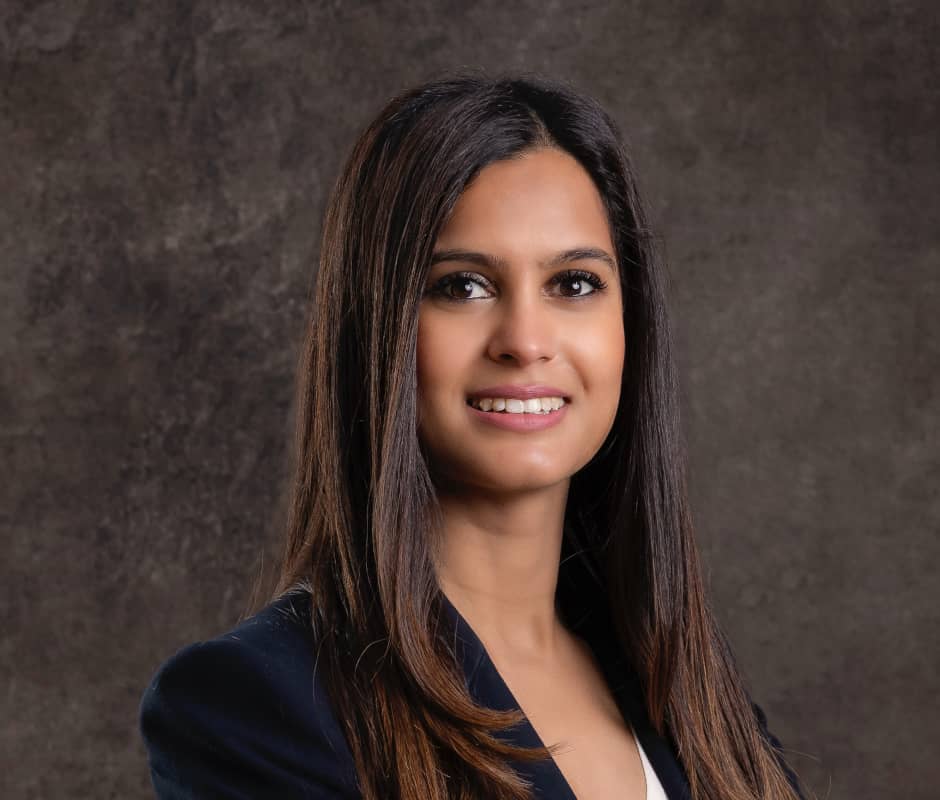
pixel 244 714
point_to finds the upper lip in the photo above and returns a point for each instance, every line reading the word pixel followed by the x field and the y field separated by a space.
pixel 519 392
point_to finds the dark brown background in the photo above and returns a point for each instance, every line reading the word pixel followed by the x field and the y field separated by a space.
pixel 163 172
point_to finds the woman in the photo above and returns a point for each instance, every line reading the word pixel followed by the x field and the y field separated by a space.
pixel 489 546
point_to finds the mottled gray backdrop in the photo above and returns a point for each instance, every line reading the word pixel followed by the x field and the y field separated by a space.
pixel 163 172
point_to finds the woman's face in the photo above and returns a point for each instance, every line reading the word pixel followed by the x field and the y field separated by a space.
pixel 522 301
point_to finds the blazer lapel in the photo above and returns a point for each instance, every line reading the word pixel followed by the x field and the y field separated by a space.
pixel 487 687
pixel 659 751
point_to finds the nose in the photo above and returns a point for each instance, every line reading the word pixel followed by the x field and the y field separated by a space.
pixel 524 332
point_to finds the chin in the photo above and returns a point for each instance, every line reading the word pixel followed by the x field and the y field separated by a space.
pixel 507 476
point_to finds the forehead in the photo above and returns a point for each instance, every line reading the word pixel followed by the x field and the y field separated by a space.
pixel 541 201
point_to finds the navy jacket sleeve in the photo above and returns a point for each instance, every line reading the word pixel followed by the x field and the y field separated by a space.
pixel 223 719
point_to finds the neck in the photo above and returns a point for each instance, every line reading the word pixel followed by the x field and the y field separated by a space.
pixel 498 564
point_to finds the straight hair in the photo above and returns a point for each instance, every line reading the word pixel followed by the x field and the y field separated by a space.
pixel 363 521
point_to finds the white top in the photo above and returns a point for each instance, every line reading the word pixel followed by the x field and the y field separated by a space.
pixel 654 789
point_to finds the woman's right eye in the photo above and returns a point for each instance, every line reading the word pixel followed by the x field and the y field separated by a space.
pixel 460 286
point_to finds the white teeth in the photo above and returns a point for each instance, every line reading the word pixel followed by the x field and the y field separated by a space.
pixel 512 405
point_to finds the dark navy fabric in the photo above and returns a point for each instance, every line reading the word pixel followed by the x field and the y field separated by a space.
pixel 244 715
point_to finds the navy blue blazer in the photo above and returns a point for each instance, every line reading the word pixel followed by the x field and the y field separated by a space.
pixel 245 715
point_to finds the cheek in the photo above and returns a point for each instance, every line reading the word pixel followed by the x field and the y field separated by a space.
pixel 438 359
pixel 601 348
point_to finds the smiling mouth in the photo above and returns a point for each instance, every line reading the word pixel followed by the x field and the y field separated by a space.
pixel 513 405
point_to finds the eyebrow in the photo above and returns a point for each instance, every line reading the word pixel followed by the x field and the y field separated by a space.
pixel 495 262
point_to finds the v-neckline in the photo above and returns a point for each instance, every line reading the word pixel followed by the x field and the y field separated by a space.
pixel 488 686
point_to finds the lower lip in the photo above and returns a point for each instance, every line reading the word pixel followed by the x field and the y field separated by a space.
pixel 519 422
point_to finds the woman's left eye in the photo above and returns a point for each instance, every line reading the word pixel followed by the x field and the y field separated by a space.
pixel 579 280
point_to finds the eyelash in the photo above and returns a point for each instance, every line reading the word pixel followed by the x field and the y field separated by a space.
pixel 439 289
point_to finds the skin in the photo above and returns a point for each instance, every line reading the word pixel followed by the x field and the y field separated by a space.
pixel 503 493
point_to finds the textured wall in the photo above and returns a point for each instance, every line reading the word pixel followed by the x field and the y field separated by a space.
pixel 163 171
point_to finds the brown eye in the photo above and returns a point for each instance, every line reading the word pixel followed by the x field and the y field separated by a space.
pixel 574 284
pixel 459 287
pixel 580 282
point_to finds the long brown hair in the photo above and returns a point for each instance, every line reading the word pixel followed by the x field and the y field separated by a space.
pixel 362 518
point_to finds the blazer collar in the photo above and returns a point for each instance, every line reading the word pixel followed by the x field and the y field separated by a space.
pixel 488 688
